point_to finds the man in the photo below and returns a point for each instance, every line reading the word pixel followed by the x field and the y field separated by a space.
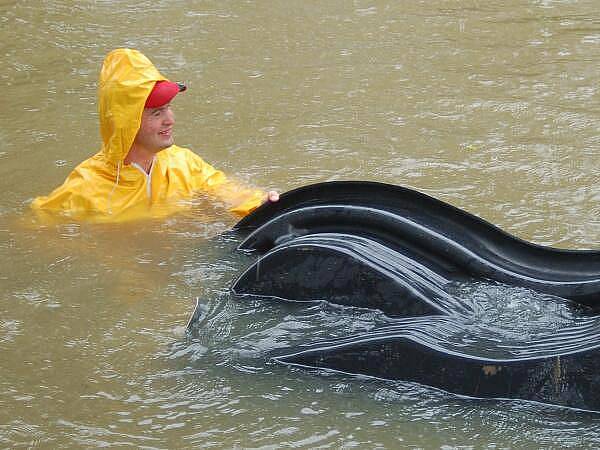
pixel 139 172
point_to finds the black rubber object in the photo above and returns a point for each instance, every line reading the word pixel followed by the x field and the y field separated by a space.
pixel 374 245
pixel 449 240
pixel 554 377
pixel 346 270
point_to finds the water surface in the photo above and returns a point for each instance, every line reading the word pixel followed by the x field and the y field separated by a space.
pixel 491 107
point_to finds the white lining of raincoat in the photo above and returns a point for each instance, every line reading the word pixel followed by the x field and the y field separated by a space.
pixel 147 175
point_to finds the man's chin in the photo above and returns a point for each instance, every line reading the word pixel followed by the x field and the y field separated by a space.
pixel 165 145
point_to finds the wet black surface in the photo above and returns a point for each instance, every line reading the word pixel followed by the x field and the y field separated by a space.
pixel 416 259
pixel 568 380
pixel 446 239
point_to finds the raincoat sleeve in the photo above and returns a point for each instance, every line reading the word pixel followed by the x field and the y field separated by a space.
pixel 241 200
pixel 69 197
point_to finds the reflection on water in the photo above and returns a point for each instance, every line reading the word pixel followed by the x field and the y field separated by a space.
pixel 493 108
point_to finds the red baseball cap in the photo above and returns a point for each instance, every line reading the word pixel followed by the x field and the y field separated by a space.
pixel 163 92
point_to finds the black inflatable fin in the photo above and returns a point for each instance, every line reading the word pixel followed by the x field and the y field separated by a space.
pixel 555 377
pixel 374 245
pixel 347 270
pixel 432 232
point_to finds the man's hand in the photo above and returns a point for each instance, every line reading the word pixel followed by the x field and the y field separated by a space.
pixel 272 196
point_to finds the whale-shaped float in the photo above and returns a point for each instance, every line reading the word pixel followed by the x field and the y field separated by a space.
pixel 561 369
pixel 452 242
pixel 374 245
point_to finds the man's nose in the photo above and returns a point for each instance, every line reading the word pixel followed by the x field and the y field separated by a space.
pixel 169 117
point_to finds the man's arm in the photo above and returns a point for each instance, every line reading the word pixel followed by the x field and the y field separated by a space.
pixel 241 200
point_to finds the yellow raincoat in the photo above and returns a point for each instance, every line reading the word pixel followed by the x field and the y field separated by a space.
pixel 103 189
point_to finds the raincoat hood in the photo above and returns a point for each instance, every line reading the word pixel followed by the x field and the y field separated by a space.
pixel 126 79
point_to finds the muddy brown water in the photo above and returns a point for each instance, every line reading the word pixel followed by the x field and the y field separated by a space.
pixel 492 107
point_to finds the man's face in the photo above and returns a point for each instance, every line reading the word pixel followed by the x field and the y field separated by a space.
pixel 156 129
